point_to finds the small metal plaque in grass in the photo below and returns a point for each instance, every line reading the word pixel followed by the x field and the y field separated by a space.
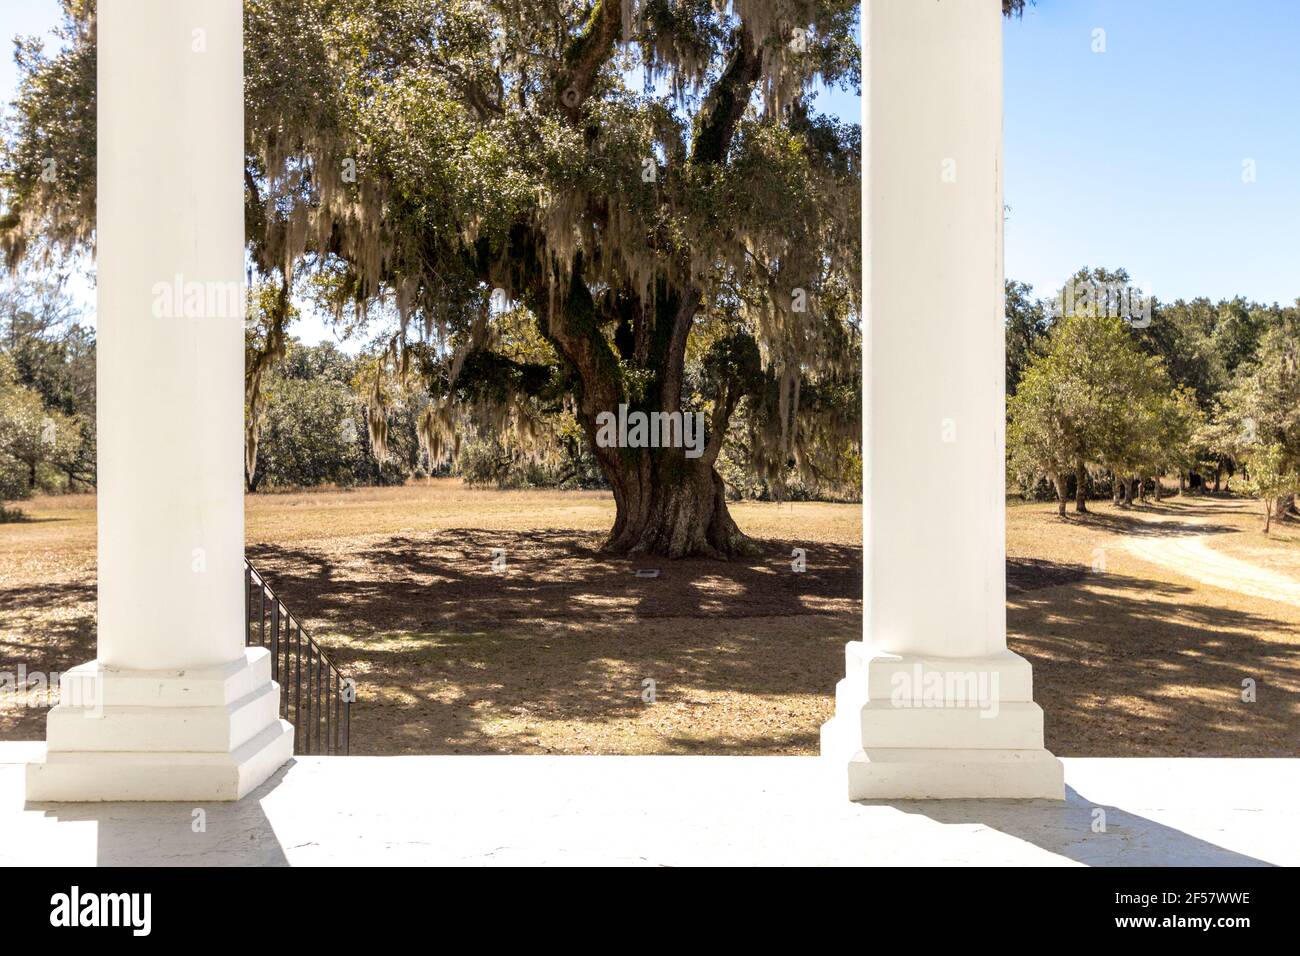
pixel 647 572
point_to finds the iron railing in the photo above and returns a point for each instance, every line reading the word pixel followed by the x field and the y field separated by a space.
pixel 299 664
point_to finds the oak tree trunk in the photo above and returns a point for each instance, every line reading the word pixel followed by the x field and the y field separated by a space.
pixel 669 505
pixel 1062 493
pixel 1282 506
pixel 1080 488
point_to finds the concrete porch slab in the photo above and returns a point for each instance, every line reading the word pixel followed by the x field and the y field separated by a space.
pixel 675 811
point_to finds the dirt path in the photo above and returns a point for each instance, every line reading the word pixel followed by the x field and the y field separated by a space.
pixel 1189 554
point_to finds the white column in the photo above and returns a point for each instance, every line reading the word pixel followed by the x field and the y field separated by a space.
pixel 933 704
pixel 175 707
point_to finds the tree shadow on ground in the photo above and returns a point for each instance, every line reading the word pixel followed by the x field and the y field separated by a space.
pixel 449 579
pixel 480 658
pixel 1030 574
pixel 1134 523
pixel 45 629
pixel 1131 667
pixel 553 653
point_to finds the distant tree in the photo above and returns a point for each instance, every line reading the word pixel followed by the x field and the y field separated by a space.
pixel 1178 423
pixel 36 443
pixel 1259 418
pixel 309 435
pixel 50 391
pixel 1182 335
pixel 53 354
pixel 1041 438
pixel 313 427
pixel 1134 445
pixel 1093 398
pixel 1027 323
pixel 1273 478
pixel 1238 329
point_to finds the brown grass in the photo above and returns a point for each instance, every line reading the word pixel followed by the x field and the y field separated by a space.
pixel 551 655
pixel 1135 659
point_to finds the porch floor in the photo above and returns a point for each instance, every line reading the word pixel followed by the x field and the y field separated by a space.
pixel 667 811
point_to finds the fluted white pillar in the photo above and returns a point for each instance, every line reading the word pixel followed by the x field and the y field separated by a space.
pixel 933 704
pixel 174 707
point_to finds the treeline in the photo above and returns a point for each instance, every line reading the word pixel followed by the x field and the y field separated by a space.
pixel 47 393
pixel 1110 390
pixel 311 428
pixel 308 418
pixel 316 415
pixel 309 425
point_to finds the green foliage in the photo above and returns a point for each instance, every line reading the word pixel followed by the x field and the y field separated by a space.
pixel 1093 398
pixel 35 442
pixel 309 436
pixel 313 426
pixel 47 397
pixel 485 462
pixel 1042 435
pixel 1272 473
pixel 47 171
pixel 1026 326
pixel 1184 386
pixel 405 159
pixel 1178 423
pixel 1258 419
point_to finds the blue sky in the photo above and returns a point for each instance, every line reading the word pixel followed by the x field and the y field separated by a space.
pixel 1134 157
pixel 1129 157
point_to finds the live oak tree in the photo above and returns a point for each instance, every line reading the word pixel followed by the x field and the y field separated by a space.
pixel 648 186
pixel 1091 399
pixel 1258 421
pixel 1041 437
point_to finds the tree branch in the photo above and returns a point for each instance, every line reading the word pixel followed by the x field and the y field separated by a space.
pixel 586 55
pixel 722 411
pixel 675 360
pixel 726 102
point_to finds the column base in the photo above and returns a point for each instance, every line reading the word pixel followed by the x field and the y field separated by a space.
pixel 922 728
pixel 203 735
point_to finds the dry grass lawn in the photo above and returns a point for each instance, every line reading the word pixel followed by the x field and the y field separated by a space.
pixel 550 655
pixel 1137 659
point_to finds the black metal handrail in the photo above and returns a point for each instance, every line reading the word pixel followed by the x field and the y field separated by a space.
pixel 295 655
